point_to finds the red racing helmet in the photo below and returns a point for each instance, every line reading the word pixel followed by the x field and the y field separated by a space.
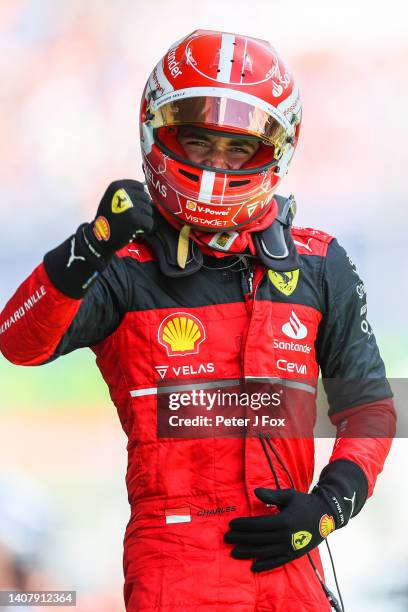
pixel 224 84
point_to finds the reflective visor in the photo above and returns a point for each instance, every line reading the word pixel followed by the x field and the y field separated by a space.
pixel 222 113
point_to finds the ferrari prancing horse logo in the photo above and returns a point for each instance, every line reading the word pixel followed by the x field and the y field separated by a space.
pixel 301 539
pixel 285 282
pixel 121 201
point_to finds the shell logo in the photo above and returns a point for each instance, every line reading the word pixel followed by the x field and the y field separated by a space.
pixel 181 334
pixel 326 525
pixel 101 229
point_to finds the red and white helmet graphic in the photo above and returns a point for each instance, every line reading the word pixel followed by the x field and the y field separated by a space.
pixel 221 84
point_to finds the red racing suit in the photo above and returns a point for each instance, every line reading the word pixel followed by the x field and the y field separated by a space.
pixel 183 492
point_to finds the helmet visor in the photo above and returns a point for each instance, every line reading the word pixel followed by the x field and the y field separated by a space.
pixel 221 113
pixel 215 150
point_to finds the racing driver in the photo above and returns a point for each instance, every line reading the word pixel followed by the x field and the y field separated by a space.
pixel 200 275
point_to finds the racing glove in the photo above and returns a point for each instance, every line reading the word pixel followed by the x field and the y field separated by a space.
pixel 304 520
pixel 124 211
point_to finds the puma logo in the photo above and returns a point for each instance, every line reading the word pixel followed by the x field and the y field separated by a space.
pixel 305 245
pixel 73 257
pixel 352 500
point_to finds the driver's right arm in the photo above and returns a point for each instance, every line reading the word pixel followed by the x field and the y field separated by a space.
pixel 79 294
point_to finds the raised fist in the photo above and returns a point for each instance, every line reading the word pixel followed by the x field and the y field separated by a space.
pixel 124 210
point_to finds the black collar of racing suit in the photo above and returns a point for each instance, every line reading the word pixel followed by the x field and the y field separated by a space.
pixel 274 245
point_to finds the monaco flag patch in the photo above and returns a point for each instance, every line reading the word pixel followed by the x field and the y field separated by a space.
pixel 177 515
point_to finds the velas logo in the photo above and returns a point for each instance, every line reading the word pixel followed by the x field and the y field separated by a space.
pixel 101 229
pixel 154 182
pixel 294 328
pixel 181 333
pixel 326 525
pixel 121 201
pixel 161 370
pixel 185 370
pixel 301 539
pixel 251 208
pixel 285 282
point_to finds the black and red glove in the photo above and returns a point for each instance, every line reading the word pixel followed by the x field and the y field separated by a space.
pixel 124 210
pixel 304 520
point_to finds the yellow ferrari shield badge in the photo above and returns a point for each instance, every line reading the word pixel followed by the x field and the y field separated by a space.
pixel 285 282
pixel 121 201
pixel 300 539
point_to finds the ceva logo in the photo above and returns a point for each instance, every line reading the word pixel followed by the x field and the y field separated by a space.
pixel 294 328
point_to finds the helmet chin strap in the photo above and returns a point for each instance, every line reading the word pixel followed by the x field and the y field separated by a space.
pixel 180 251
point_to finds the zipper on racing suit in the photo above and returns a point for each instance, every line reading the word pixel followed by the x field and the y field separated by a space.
pixel 247 279
pixel 249 292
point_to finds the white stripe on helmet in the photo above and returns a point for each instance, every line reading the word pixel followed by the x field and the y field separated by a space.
pixel 226 56
pixel 243 60
pixel 206 186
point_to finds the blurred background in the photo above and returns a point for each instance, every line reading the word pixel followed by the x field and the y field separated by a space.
pixel 72 74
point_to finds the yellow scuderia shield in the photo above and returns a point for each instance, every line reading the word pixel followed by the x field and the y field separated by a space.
pixel 121 201
pixel 285 282
pixel 300 539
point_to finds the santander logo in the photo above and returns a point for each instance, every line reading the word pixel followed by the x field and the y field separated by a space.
pixel 294 328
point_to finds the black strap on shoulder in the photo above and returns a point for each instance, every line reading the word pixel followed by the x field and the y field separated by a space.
pixel 274 245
